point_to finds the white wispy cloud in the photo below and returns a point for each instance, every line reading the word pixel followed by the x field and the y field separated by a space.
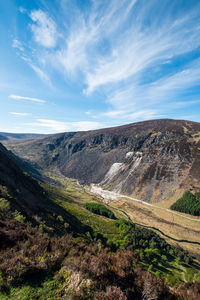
pixel 138 49
pixel 20 114
pixel 162 94
pixel 22 10
pixel 74 56
pixel 130 49
pixel 44 29
pixel 17 97
pixel 115 113
pixel 40 72
pixel 17 44
pixel 81 50
pixel 59 126
pixel 124 50
pixel 36 68
pixel 88 112
pixel 134 115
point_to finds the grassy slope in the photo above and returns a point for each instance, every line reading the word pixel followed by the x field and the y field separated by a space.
pixel 72 201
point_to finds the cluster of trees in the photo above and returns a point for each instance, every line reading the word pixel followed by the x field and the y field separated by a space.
pixel 99 209
pixel 148 245
pixel 189 203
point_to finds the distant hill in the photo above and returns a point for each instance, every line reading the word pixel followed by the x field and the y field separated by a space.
pixel 15 137
pixel 152 160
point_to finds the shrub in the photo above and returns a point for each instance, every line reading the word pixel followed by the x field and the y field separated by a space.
pixel 189 290
pixel 112 293
pixel 18 217
pixel 4 205
pixel 154 288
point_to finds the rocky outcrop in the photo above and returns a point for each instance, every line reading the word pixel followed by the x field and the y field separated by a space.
pixel 151 160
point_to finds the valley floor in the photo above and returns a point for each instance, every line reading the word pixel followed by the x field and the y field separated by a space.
pixel 177 228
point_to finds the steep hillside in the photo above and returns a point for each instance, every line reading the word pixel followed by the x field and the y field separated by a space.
pixel 23 199
pixel 18 188
pixel 149 160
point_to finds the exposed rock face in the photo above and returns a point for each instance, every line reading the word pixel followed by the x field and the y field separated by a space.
pixel 151 160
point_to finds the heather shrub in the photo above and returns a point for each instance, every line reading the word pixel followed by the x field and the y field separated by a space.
pixel 18 217
pixel 188 290
pixel 4 205
pixel 153 288
pixel 111 293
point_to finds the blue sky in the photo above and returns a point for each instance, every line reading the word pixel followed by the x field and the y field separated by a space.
pixel 69 65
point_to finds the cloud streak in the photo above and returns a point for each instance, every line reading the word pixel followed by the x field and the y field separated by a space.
pixel 59 126
pixel 17 44
pixel 19 114
pixel 17 97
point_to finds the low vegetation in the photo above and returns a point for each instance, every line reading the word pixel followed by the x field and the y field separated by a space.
pixel 189 203
pixel 34 265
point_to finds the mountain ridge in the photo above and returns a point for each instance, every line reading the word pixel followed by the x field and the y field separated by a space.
pixel 152 160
